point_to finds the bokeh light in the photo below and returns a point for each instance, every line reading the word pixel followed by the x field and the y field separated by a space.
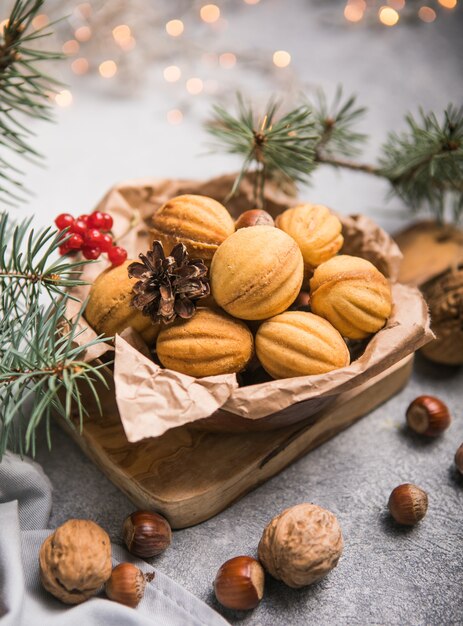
pixel 388 16
pixel 174 117
pixel 448 4
pixel 426 14
pixel 80 66
pixel 227 60
pixel 107 69
pixel 83 33
pixel 174 28
pixel 281 58
pixel 172 73
pixel 209 13
pixel 40 21
pixel 194 86
pixel 63 98
pixel 70 47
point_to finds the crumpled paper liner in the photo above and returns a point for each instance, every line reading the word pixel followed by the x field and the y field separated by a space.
pixel 151 400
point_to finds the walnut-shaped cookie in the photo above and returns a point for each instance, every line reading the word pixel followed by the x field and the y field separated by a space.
pixel 257 273
pixel 296 343
pixel 351 294
pixel 316 231
pixel 199 222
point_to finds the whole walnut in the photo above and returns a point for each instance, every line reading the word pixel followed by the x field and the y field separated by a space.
pixel 75 561
pixel 444 295
pixel 301 545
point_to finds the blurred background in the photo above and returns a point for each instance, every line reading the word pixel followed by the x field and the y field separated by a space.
pixel 141 76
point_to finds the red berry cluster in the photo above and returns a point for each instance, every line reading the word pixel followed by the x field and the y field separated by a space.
pixel 90 233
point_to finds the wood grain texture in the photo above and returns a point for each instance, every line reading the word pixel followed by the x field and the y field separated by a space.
pixel 190 475
pixel 429 249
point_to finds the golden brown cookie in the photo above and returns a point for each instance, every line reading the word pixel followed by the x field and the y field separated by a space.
pixel 257 273
pixel 199 222
pixel 109 310
pixel 208 344
pixel 316 231
pixel 296 343
pixel 351 294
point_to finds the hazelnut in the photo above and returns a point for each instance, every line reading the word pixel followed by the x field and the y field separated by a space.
pixel 301 545
pixel 459 459
pixel 127 584
pixel 75 561
pixel 428 416
pixel 408 504
pixel 239 583
pixel 257 273
pixel 351 294
pixel 146 534
pixel 254 217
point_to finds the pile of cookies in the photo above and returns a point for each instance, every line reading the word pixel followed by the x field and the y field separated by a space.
pixel 214 294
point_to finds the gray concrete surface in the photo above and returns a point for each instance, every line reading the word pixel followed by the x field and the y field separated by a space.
pixel 387 575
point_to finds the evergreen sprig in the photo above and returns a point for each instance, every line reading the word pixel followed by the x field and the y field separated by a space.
pixel 424 165
pixel 42 368
pixel 24 90
pixel 268 144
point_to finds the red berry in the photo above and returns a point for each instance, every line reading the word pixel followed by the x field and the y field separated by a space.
pixel 91 252
pixel 106 242
pixel 75 242
pixel 96 220
pixel 108 222
pixel 64 220
pixel 93 237
pixel 84 218
pixel 117 255
pixel 63 250
pixel 79 227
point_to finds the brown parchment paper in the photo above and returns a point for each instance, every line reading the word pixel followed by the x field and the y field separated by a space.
pixel 151 400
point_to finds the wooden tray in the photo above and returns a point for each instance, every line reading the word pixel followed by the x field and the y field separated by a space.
pixel 190 475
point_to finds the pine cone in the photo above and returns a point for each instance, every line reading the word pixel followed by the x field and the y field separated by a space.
pixel 168 286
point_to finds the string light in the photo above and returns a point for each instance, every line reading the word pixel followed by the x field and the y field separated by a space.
pixel 85 9
pixel 174 117
pixel 83 33
pixel 388 16
pixel 353 11
pixel 70 47
pixel 448 4
pixel 172 73
pixel 107 69
pixel 40 21
pixel 398 5
pixel 80 66
pixel 174 28
pixel 427 14
pixel 209 13
pixel 63 98
pixel 194 86
pixel 281 58
pixel 227 60
pixel 121 33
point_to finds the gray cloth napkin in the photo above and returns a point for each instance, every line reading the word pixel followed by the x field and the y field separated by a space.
pixel 25 504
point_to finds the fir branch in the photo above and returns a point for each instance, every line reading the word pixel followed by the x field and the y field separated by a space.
pixel 42 367
pixel 267 144
pixel 24 89
pixel 335 124
pixel 425 163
